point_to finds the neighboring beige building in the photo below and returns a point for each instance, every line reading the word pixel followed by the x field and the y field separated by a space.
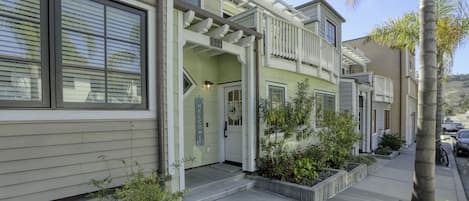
pixel 398 66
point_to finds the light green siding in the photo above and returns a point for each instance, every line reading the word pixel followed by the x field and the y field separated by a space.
pixel 218 69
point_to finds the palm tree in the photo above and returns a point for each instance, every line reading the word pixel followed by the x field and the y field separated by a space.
pixel 452 27
pixel 440 30
pixel 424 174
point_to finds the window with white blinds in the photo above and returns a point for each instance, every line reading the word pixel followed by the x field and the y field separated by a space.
pixel 20 52
pixel 97 54
pixel 102 50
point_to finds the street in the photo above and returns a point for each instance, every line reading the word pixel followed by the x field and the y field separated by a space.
pixel 462 161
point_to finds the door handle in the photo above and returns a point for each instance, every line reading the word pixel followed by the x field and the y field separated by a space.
pixel 225 129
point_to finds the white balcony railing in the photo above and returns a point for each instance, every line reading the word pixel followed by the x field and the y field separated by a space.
pixel 383 89
pixel 301 46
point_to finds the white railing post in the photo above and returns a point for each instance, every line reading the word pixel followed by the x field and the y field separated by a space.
pixel 320 58
pixel 299 49
pixel 268 40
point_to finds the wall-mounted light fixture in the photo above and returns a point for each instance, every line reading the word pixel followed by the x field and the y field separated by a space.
pixel 208 84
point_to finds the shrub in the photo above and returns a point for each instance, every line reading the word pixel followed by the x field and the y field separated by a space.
pixel 305 170
pixel 137 187
pixel 383 151
pixel 393 141
pixel 337 138
pixel 364 159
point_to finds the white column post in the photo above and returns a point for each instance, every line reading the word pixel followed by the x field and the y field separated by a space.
pixel 251 108
pixel 299 49
pixel 169 85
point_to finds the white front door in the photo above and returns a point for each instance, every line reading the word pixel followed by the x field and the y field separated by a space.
pixel 233 124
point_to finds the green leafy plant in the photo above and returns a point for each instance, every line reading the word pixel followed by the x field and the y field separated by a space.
pixel 392 141
pixel 337 138
pixel 305 170
pixel 285 121
pixel 139 186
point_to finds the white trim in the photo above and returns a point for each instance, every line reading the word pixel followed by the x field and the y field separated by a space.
pixel 57 115
pixel 221 115
pixel 276 84
pixel 169 85
pixel 182 176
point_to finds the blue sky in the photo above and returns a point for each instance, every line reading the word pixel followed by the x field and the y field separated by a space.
pixel 370 13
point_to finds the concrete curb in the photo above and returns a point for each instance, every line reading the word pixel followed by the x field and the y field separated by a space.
pixel 460 194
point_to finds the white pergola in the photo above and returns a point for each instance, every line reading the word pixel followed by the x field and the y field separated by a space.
pixel 354 56
pixel 279 8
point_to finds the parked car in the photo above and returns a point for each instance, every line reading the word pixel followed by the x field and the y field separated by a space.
pixel 462 142
pixel 459 126
pixel 450 127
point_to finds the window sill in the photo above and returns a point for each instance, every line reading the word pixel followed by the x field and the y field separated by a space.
pixel 57 115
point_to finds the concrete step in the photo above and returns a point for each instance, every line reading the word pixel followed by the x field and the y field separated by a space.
pixel 219 189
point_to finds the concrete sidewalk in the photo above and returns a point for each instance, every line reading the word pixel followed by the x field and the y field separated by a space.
pixel 392 181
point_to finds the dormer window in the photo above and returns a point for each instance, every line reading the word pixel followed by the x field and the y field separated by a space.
pixel 331 32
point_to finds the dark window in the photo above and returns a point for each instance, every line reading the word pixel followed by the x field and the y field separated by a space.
pixel 276 96
pixel 387 119
pixel 331 33
pixel 197 3
pixel 99 48
pixel 226 15
pixel 324 103
pixel 374 121
pixel 187 82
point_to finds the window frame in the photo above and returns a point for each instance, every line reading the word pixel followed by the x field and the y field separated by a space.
pixel 278 85
pixel 329 22
pixel 316 112
pixel 143 65
pixel 52 68
pixel 45 101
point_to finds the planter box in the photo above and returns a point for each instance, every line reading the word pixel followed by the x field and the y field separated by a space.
pixel 391 156
pixel 357 174
pixel 319 192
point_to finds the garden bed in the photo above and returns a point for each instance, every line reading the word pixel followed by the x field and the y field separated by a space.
pixel 320 191
pixel 390 156
pixel 356 174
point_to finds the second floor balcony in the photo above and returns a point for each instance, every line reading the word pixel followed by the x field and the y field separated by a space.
pixel 290 46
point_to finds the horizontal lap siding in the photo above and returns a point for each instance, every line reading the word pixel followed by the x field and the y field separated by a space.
pixel 51 160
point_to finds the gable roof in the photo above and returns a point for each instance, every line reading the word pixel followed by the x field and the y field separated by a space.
pixel 325 3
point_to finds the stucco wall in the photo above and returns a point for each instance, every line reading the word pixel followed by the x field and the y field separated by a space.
pixel 385 62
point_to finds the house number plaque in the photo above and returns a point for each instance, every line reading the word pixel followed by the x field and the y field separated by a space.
pixel 199 121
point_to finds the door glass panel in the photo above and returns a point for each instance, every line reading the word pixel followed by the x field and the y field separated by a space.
pixel 234 108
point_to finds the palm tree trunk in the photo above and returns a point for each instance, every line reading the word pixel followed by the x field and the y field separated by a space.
pixel 439 105
pixel 424 174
